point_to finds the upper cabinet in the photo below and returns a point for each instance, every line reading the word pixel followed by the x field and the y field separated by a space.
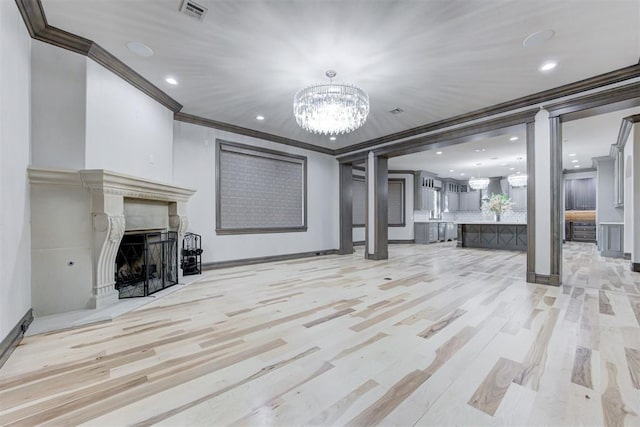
pixel 518 197
pixel 580 194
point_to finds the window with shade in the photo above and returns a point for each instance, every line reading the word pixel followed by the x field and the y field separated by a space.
pixel 396 202
pixel 259 190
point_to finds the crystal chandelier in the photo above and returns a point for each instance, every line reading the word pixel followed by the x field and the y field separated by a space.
pixel 478 183
pixel 331 109
pixel 517 181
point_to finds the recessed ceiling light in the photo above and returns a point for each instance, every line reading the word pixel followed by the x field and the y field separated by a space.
pixel 513 138
pixel 438 152
pixel 462 174
pixel 478 150
pixel 575 161
pixel 451 170
pixel 140 49
pixel 511 169
pixel 259 117
pixel 504 164
pixel 332 138
pixel 572 155
pixel 171 81
pixel 537 38
pixel 576 166
pixel 548 66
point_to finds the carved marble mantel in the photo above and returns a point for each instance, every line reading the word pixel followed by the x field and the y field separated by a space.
pixel 106 192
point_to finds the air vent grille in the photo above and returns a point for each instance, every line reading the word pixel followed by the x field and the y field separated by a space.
pixel 193 9
pixel 396 111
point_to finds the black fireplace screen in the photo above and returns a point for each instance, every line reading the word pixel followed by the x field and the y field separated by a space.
pixel 146 263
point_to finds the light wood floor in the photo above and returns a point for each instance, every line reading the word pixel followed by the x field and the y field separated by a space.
pixel 437 335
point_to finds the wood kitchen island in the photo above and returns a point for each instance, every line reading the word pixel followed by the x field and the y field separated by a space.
pixel 493 235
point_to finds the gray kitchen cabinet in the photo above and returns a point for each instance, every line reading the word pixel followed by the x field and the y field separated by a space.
pixel 519 198
pixel 580 194
pixel 470 201
pixel 453 201
pixel 421 232
pixel 451 232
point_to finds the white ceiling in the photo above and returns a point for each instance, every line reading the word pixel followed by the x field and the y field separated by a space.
pixel 434 59
pixel 586 138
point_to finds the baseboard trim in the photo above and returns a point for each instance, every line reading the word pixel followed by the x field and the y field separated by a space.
pixel 635 266
pixel 627 256
pixel 401 242
pixel 531 277
pixel 11 341
pixel 544 279
pixel 259 260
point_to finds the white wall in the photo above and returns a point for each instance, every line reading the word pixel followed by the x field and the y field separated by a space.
pixel 58 83
pixel 635 172
pixel 15 134
pixel 194 167
pixel 126 131
pixel 628 191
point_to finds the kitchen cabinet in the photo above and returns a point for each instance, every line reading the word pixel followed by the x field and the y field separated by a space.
pixel 519 198
pixel 470 201
pixel 431 232
pixel 453 201
pixel 580 194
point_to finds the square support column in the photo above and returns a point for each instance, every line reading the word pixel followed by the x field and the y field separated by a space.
pixel 377 207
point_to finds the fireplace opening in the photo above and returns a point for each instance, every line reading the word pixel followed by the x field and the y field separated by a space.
pixel 147 262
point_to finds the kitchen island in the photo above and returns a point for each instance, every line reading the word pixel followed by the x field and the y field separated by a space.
pixel 493 235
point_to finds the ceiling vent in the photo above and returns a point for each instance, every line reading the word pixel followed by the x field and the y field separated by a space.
pixel 193 9
pixel 396 111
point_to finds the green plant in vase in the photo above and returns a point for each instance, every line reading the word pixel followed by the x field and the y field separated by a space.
pixel 497 204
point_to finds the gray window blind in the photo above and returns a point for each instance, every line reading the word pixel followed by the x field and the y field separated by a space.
pixel 259 190
pixel 395 202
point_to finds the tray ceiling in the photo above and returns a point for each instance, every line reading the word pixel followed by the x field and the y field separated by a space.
pixel 433 59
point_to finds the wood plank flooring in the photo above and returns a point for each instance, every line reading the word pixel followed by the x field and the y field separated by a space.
pixel 436 335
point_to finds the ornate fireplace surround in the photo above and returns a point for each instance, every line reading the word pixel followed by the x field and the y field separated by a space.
pixel 106 192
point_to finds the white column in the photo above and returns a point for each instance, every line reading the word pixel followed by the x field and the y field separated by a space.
pixel 635 195
pixel 543 195
pixel 371 207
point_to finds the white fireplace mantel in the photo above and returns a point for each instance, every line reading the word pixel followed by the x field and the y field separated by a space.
pixel 111 183
pixel 88 205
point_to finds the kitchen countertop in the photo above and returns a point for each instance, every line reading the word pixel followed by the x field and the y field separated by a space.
pixel 430 220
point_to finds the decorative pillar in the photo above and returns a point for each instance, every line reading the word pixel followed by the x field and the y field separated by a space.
pixel 377 207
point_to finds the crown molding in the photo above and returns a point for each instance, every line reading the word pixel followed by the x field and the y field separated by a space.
pixel 622 97
pixel 201 121
pixel 595 82
pixel 36 23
